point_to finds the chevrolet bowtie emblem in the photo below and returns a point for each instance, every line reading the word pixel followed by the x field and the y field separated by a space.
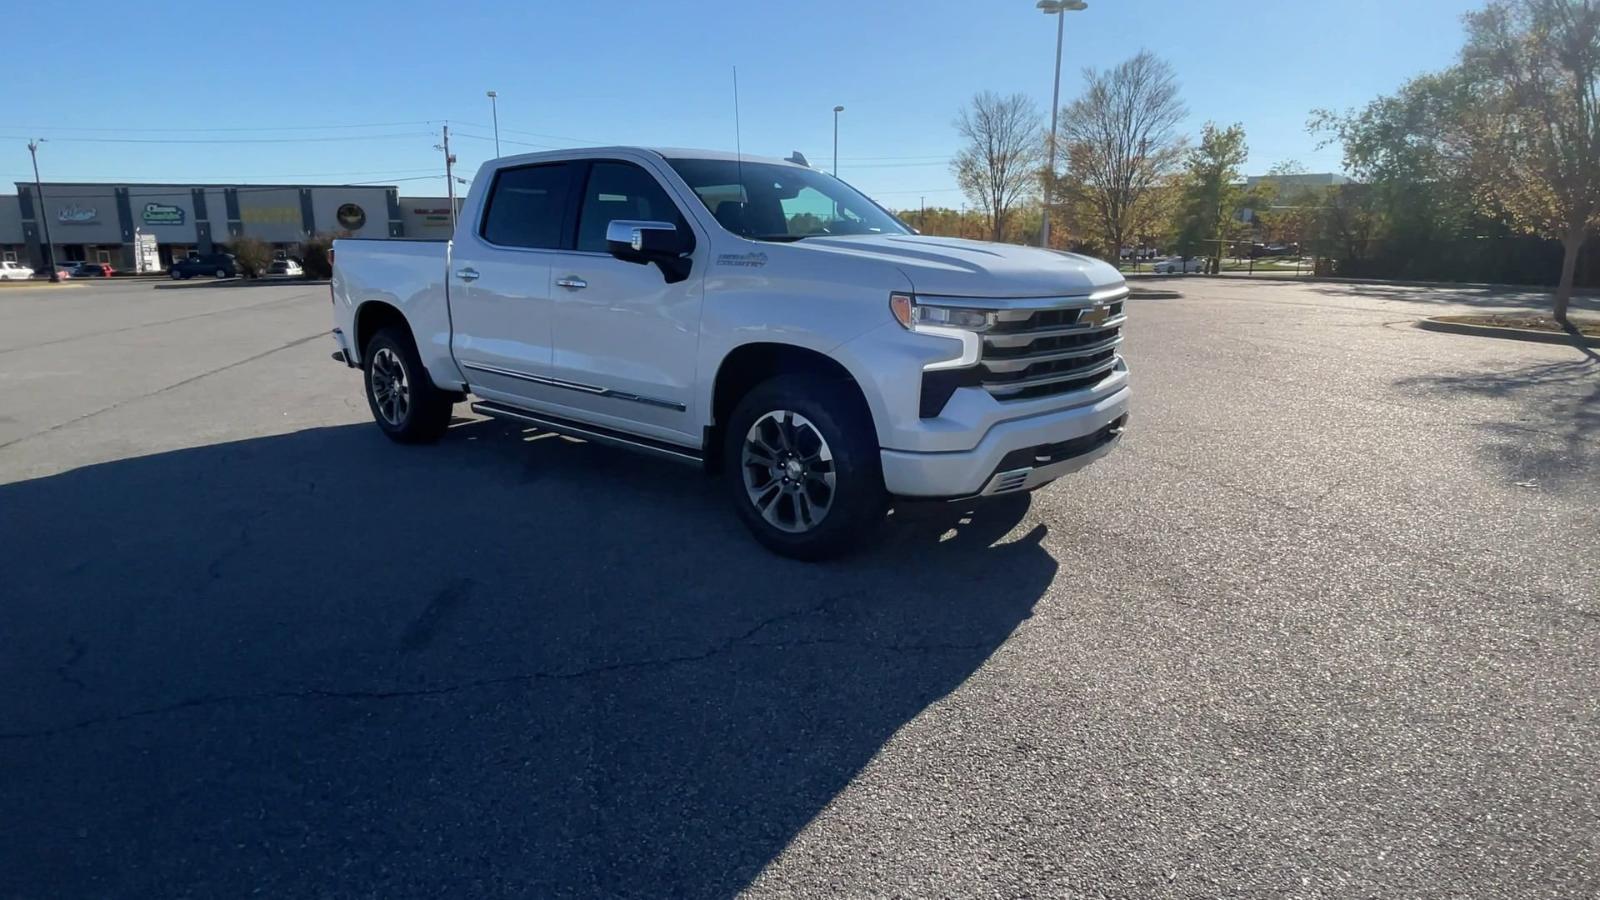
pixel 1094 316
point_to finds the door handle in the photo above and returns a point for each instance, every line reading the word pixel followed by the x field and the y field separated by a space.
pixel 572 283
pixel 467 274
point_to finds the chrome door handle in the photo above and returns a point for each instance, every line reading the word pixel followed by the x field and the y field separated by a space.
pixel 468 274
pixel 573 283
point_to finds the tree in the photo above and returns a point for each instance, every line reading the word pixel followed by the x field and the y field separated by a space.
pixel 1535 127
pixel 998 167
pixel 1286 208
pixel 1122 142
pixel 1212 192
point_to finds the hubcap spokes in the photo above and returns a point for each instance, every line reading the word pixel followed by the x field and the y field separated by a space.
pixel 390 389
pixel 788 471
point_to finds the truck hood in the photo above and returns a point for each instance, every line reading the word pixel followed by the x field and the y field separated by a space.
pixel 963 268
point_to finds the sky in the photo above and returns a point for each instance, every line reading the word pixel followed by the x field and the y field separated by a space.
pixel 356 91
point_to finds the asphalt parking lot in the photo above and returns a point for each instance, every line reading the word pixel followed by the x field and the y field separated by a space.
pixel 1328 624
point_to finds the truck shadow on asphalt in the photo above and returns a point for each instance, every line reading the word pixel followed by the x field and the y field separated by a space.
pixel 319 663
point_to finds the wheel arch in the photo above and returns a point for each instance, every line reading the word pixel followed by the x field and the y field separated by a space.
pixel 748 365
pixel 372 316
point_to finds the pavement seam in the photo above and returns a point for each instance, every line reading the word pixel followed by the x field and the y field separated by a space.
pixel 190 380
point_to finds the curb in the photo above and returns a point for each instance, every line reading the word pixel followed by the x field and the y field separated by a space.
pixel 1146 294
pixel 188 284
pixel 1512 334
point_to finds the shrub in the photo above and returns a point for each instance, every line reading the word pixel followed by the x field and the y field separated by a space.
pixel 251 255
pixel 314 254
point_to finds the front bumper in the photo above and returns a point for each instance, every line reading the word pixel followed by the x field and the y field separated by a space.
pixel 1018 455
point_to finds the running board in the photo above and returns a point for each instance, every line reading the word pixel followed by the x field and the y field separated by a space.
pixel 597 433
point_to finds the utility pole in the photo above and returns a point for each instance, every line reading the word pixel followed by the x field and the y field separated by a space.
pixel 494 110
pixel 836 111
pixel 44 219
pixel 922 217
pixel 449 173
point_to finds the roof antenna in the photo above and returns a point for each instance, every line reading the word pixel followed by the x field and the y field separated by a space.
pixel 738 149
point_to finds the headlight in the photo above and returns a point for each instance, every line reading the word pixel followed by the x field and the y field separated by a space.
pixel 915 316
pixel 961 324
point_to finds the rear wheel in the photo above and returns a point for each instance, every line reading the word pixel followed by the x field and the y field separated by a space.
pixel 404 402
pixel 222 273
pixel 803 467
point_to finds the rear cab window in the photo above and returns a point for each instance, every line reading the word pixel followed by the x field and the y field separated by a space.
pixel 527 206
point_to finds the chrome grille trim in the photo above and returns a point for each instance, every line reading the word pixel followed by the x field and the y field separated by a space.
pixel 1003 389
pixel 1044 350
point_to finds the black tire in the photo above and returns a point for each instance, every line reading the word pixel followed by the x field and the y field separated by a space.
pixel 425 412
pixel 857 501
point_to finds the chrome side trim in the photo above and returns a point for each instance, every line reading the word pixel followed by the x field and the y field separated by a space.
pixel 575 386
pixel 587 432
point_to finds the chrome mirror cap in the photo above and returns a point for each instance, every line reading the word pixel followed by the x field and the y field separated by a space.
pixel 631 231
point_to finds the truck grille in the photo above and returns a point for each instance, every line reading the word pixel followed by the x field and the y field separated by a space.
pixel 1040 353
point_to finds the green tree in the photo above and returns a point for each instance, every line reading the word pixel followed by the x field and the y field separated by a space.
pixel 1212 193
pixel 999 166
pixel 1534 128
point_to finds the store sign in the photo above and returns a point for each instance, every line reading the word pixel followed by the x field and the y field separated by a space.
pixel 73 214
pixel 433 216
pixel 162 214
pixel 270 215
pixel 351 216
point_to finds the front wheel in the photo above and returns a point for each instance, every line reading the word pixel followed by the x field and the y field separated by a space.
pixel 406 405
pixel 803 467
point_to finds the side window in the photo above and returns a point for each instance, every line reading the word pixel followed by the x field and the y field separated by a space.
pixel 526 206
pixel 619 190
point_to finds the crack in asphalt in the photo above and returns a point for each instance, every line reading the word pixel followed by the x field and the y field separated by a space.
pixel 727 645
pixel 158 391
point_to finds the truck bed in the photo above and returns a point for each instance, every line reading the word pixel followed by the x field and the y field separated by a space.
pixel 409 275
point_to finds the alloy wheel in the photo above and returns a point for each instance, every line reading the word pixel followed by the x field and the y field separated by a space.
pixel 390 388
pixel 788 471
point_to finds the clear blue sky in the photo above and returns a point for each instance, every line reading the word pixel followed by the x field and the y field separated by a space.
pixel 658 73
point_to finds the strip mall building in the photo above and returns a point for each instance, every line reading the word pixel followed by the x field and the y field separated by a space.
pixel 109 222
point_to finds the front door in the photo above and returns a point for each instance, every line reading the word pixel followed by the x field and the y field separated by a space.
pixel 625 339
pixel 500 281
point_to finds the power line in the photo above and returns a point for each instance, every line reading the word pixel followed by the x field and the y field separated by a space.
pixel 306 140
pixel 51 128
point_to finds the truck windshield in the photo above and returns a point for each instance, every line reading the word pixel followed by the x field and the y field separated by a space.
pixel 767 202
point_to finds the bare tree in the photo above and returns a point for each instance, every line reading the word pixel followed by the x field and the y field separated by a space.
pixel 1122 144
pixel 999 166
pixel 1536 125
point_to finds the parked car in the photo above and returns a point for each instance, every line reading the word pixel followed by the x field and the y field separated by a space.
pixel 65 270
pixel 285 267
pixel 14 271
pixel 1178 265
pixel 93 270
pixel 217 265
pixel 820 372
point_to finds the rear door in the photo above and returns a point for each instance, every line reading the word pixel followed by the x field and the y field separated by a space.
pixel 626 341
pixel 500 280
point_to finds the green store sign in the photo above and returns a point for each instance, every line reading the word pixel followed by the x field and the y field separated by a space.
pixel 162 214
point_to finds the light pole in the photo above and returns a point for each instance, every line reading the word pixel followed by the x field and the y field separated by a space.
pixel 836 111
pixel 494 110
pixel 44 218
pixel 1059 9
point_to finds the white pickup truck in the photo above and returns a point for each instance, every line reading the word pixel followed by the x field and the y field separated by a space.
pixel 753 316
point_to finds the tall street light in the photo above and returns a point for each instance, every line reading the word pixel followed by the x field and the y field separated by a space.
pixel 1059 9
pixel 494 110
pixel 44 218
pixel 836 111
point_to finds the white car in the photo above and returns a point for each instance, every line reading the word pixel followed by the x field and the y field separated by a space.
pixel 11 271
pixel 1177 265
pixel 287 268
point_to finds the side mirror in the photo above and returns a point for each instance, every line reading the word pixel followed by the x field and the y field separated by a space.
pixel 645 242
